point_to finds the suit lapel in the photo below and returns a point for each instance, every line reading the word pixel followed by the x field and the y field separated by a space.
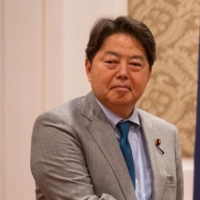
pixel 104 136
pixel 155 158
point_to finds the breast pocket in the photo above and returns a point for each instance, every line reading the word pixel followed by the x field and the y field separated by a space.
pixel 170 188
pixel 170 179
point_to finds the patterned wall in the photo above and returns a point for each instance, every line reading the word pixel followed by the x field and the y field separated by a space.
pixel 171 92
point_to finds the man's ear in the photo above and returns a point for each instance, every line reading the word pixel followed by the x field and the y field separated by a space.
pixel 88 68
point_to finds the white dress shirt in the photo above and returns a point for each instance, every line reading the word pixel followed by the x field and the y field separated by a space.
pixel 143 176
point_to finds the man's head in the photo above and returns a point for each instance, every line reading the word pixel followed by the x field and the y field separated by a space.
pixel 105 27
pixel 120 55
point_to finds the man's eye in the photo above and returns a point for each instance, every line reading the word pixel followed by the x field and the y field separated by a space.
pixel 135 64
pixel 109 61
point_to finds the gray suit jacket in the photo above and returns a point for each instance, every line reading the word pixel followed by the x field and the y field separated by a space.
pixel 75 155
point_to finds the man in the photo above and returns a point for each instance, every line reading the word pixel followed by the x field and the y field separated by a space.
pixel 101 146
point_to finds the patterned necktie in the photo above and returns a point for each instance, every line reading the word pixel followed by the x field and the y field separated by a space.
pixel 126 148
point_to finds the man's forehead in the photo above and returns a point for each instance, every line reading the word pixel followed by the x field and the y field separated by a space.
pixel 121 37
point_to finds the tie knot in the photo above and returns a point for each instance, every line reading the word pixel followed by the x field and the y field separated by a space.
pixel 124 128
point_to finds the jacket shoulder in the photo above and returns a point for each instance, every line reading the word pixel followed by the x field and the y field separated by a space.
pixel 152 119
pixel 65 112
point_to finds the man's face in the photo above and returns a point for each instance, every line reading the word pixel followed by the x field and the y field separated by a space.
pixel 119 73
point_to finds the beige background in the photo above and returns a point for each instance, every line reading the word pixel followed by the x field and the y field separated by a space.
pixel 171 93
pixel 42 66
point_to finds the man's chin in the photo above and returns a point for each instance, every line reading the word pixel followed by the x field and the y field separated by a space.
pixel 122 102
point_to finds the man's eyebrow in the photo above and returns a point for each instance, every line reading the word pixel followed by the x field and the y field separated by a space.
pixel 118 55
pixel 137 57
pixel 112 53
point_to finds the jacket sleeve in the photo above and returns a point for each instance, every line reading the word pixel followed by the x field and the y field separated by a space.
pixel 58 164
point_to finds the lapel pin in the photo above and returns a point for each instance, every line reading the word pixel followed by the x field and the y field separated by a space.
pixel 158 143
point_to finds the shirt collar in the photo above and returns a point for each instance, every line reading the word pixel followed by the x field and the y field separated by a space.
pixel 114 119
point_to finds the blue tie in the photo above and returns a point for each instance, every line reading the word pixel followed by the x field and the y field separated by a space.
pixel 126 148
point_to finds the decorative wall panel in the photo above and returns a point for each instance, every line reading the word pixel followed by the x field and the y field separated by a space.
pixel 171 92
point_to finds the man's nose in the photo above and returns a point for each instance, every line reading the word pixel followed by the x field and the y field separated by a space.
pixel 122 72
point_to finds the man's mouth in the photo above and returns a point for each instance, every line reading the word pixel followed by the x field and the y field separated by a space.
pixel 121 88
